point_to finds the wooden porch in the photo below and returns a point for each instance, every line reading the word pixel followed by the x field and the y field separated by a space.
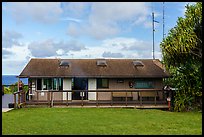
pixel 126 101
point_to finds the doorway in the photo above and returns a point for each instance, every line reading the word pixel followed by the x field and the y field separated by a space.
pixel 80 84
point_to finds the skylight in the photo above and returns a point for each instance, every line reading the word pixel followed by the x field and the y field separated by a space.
pixel 138 63
pixel 101 63
pixel 64 63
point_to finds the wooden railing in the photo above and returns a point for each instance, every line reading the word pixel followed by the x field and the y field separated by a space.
pixel 50 98
pixel 21 100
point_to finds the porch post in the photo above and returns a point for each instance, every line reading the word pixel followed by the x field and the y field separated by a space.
pixel 97 98
pixel 37 97
pixel 18 83
pixel 15 100
pixel 67 98
pixel 111 98
pixel 140 98
pixel 126 99
pixel 155 98
pixel 48 97
pixel 82 98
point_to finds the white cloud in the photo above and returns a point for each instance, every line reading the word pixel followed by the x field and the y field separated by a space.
pixel 48 48
pixel 10 38
pixel 44 12
pixel 105 18
pixel 17 52
pixel 13 67
pixel 112 55
pixel 119 47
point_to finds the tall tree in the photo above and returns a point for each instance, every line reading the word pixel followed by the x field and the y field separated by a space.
pixel 182 56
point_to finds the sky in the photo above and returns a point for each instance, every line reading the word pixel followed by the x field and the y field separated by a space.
pixel 83 30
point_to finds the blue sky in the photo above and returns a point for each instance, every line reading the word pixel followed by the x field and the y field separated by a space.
pixel 82 30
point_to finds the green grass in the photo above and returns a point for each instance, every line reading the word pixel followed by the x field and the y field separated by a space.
pixel 100 121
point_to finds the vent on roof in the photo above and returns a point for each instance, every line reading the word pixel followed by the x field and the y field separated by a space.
pixel 138 63
pixel 101 63
pixel 64 63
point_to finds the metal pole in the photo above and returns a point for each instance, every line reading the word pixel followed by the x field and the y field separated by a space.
pixel 163 20
pixel 153 32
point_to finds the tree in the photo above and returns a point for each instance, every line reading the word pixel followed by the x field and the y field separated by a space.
pixel 182 56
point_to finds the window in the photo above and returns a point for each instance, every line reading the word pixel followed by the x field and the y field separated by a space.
pixel 50 84
pixel 39 84
pixel 60 83
pixel 143 84
pixel 102 83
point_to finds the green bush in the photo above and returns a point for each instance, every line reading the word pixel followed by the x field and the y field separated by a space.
pixel 7 90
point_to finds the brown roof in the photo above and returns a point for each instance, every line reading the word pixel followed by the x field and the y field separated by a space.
pixel 122 68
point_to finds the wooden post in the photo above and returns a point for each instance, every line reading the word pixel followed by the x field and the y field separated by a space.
pixel 97 98
pixel 48 98
pixel 126 99
pixel 67 98
pixel 82 98
pixel 140 99
pixel 24 98
pixel 155 98
pixel 14 100
pixel 51 99
pixel 37 97
pixel 111 98
pixel 19 98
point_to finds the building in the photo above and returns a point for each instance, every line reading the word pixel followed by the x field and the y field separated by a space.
pixel 95 79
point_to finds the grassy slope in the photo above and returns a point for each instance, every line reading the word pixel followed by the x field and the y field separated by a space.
pixel 99 121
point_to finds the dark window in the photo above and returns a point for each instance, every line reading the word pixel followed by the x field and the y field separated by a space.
pixel 60 83
pixel 39 84
pixel 102 83
pixel 143 84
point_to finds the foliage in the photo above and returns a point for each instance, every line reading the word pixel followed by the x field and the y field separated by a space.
pixel 7 90
pixel 182 55
pixel 100 121
pixel 14 88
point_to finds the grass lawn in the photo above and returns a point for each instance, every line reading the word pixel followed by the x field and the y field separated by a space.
pixel 100 121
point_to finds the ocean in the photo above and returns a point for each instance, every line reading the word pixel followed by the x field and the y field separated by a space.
pixel 12 79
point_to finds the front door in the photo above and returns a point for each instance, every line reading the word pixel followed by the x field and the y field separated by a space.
pixel 80 84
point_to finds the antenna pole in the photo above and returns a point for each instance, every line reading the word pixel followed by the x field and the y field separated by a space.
pixel 153 32
pixel 163 21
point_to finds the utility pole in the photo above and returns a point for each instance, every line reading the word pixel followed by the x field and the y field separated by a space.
pixel 163 21
pixel 153 33
pixel 153 30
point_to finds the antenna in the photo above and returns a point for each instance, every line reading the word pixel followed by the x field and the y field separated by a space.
pixel 153 33
pixel 153 30
pixel 163 21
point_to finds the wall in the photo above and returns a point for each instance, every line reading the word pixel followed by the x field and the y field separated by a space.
pixel 67 85
pixel 91 86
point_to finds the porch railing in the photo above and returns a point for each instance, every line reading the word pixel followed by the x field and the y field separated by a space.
pixel 19 99
pixel 50 99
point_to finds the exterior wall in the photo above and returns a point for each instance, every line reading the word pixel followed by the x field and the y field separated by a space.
pixel 158 84
pixel 91 86
pixel 43 95
pixel 67 85
pixel 113 84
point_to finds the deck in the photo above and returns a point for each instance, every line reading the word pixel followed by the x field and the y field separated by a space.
pixel 126 102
